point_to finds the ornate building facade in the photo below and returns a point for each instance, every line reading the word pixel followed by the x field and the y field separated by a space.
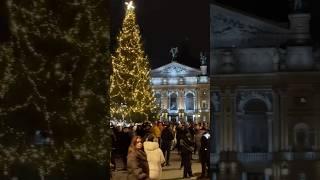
pixel 182 92
pixel 265 97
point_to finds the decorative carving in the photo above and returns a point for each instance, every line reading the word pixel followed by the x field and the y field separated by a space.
pixel 227 24
pixel 244 96
pixel 174 70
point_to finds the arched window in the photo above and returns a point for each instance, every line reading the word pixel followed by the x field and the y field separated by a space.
pixel 173 102
pixel 158 99
pixel 189 101
pixel 301 137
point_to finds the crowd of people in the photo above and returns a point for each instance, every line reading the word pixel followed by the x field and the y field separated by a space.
pixel 145 148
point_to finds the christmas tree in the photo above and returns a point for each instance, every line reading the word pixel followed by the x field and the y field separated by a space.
pixel 53 84
pixel 131 95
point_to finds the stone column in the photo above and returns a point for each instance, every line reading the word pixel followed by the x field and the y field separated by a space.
pixel 283 120
pixel 195 100
pixel 228 120
pixel 233 145
pixel 270 130
pixel 164 99
pixel 181 99
pixel 239 132
pixel 222 122
pixel 276 121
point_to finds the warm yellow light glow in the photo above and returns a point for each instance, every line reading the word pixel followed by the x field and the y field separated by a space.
pixel 31 23
pixel 131 93
pixel 130 5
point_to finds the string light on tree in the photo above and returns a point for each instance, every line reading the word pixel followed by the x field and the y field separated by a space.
pixel 49 69
pixel 131 95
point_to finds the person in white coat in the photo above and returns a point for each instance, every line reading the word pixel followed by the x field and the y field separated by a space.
pixel 155 157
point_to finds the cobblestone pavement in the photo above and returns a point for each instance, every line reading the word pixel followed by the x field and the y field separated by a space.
pixel 172 172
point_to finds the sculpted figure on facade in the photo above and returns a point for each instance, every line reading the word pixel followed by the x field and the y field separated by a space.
pixel 297 5
pixel 174 52
pixel 203 59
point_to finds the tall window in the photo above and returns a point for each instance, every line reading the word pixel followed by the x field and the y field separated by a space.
pixel 303 138
pixel 255 127
pixel 204 104
pixel 173 102
pixel 158 99
pixel 189 101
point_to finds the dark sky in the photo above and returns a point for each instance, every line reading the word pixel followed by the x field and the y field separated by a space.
pixel 185 23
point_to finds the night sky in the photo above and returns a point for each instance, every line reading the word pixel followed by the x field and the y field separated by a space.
pixel 185 23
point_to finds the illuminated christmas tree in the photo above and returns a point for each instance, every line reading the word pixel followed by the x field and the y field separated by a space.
pixel 53 84
pixel 131 94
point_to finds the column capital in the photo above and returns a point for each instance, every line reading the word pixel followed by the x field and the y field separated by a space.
pixel 280 90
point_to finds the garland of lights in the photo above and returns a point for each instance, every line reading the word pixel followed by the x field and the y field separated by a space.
pixel 130 90
pixel 35 20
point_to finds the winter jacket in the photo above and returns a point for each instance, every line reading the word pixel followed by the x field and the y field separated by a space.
pixel 137 164
pixel 186 142
pixel 155 159
pixel 166 138
pixel 204 148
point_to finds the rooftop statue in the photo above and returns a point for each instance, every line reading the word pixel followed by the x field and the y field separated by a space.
pixel 174 52
pixel 203 59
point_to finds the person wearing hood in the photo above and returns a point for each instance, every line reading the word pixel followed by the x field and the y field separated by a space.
pixel 155 157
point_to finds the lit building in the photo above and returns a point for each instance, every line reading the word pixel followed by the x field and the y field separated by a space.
pixel 265 88
pixel 182 92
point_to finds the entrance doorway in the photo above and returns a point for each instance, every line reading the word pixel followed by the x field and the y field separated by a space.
pixel 255 176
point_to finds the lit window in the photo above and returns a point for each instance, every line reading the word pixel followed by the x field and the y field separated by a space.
pixel 189 101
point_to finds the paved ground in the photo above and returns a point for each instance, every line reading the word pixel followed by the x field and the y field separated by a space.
pixel 172 172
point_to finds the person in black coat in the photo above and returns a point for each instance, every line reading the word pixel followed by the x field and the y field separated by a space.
pixel 124 143
pixel 166 142
pixel 204 154
pixel 186 144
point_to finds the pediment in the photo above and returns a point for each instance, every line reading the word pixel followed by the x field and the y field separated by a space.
pixel 175 69
pixel 232 28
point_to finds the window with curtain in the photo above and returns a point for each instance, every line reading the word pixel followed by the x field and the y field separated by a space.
pixel 189 101
pixel 173 102
pixel 303 137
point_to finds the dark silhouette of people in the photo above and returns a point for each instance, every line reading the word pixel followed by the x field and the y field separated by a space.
pixel 187 144
pixel 204 154
pixel 166 142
